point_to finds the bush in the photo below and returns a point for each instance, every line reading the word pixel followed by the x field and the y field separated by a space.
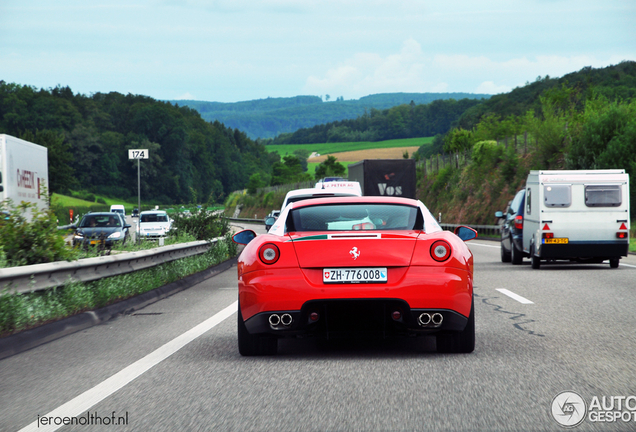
pixel 30 236
pixel 202 224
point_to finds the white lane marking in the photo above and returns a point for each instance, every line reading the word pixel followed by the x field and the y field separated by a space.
pixel 514 296
pixel 627 265
pixel 484 245
pixel 101 391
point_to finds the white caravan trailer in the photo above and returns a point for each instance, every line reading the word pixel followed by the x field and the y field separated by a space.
pixel 576 215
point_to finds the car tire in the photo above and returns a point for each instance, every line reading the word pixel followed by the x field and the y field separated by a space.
pixel 254 345
pixel 459 342
pixel 505 256
pixel 516 256
pixel 614 262
pixel 536 261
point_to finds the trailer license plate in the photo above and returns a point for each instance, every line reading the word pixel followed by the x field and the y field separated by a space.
pixel 555 241
pixel 355 275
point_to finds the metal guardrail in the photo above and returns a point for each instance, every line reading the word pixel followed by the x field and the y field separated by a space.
pixel 249 220
pixel 494 230
pixel 43 276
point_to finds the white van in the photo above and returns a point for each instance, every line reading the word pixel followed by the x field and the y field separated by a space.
pixel 118 208
pixel 576 215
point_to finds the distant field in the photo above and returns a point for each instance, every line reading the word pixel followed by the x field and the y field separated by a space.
pixel 69 201
pixel 330 148
pixel 374 153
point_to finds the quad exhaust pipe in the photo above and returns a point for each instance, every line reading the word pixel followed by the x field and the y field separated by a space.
pixel 285 319
pixel 427 320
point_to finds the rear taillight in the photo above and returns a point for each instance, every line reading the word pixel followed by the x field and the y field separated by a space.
pixel 440 250
pixel 547 235
pixel 519 222
pixel 269 253
pixel 621 235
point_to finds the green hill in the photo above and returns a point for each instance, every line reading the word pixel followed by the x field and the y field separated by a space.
pixel 267 118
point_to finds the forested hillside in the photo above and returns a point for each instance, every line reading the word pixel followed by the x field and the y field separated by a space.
pixel 191 160
pixel 402 121
pixel 587 121
pixel 267 118
pixel 614 82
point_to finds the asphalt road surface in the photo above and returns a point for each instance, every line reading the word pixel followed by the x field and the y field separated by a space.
pixel 175 365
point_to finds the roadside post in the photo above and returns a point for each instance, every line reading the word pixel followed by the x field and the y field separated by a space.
pixel 138 154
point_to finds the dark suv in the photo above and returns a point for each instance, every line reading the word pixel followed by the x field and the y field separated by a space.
pixel 512 229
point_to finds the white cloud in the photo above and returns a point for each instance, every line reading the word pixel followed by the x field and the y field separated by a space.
pixel 367 73
pixel 186 96
pixel 490 87
pixel 413 70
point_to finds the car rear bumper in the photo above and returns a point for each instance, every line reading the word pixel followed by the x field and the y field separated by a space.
pixel 584 249
pixel 418 288
pixel 346 316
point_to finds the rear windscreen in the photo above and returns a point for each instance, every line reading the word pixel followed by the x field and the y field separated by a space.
pixel 557 195
pixel 354 217
pixel 603 196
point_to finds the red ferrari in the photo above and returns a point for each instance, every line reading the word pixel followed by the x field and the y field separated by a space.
pixel 332 266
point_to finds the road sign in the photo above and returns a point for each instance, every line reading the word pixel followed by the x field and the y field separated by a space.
pixel 138 154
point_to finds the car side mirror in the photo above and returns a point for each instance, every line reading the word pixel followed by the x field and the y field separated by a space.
pixel 270 220
pixel 465 233
pixel 499 215
pixel 127 226
pixel 244 237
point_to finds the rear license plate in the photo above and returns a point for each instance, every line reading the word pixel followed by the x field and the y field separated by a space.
pixel 555 241
pixel 355 275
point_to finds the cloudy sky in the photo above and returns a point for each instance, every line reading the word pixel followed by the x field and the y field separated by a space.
pixel 234 50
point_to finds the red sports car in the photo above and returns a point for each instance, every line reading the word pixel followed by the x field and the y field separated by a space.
pixel 355 264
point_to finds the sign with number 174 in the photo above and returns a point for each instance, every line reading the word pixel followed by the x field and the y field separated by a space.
pixel 138 154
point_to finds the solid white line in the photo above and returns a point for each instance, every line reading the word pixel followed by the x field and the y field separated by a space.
pixel 514 296
pixel 627 265
pixel 89 398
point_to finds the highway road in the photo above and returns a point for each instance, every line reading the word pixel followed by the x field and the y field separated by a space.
pixel 175 366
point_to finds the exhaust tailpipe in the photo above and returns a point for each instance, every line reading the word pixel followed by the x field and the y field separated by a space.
pixel 274 320
pixel 286 319
pixel 437 318
pixel 424 319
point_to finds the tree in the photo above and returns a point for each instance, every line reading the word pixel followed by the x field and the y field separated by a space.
pixel 330 168
pixel 288 171
pixel 61 173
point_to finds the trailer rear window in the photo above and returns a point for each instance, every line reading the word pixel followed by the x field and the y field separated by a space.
pixel 557 195
pixel 603 196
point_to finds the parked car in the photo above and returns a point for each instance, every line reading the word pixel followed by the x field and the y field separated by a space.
pixel 153 224
pixel 103 228
pixel 512 229
pixel 271 218
pixel 342 265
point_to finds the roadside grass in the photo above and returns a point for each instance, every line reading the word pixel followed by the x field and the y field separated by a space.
pixel 19 312
pixel 69 201
pixel 328 148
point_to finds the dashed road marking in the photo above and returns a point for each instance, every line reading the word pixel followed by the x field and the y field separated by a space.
pixel 515 296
